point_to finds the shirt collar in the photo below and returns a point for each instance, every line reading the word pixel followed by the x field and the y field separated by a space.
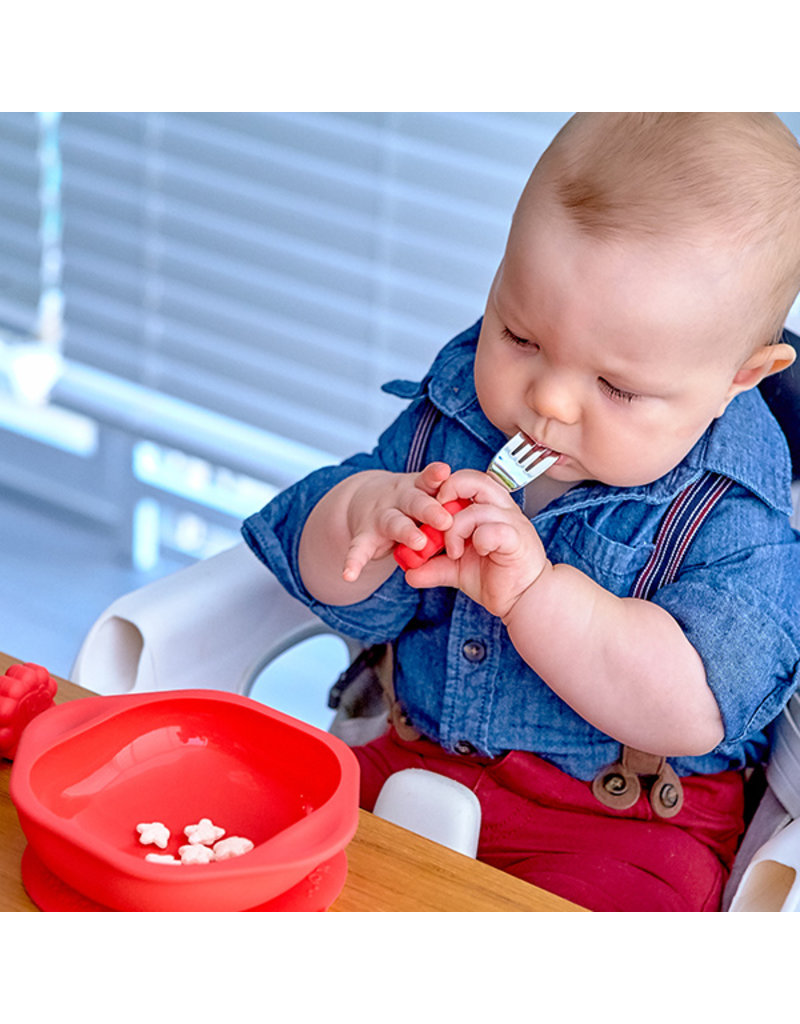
pixel 747 445
pixel 451 387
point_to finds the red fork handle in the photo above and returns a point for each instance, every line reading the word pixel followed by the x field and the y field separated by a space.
pixel 409 558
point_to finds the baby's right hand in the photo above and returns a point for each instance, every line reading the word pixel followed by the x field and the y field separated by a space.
pixel 387 508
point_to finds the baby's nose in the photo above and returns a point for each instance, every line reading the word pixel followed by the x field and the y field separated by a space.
pixel 554 398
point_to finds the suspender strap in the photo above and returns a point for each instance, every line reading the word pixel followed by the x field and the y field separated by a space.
pixel 415 460
pixel 683 519
pixel 618 785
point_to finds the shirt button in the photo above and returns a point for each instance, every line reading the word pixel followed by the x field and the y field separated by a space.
pixel 464 747
pixel 474 650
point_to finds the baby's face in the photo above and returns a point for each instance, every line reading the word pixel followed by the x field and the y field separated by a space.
pixel 618 355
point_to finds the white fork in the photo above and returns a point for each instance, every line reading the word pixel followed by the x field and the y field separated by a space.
pixel 518 462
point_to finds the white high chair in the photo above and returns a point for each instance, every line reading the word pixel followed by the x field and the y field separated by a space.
pixel 766 873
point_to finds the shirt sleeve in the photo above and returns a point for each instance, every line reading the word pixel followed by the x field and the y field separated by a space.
pixel 273 534
pixel 739 607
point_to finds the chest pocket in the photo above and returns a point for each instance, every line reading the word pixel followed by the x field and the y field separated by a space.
pixel 611 563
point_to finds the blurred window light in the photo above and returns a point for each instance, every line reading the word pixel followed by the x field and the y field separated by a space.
pixel 59 428
pixel 157 527
pixel 31 369
pixel 197 480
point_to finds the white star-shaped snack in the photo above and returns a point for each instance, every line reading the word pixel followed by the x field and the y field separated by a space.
pixel 196 853
pixel 153 832
pixel 161 858
pixel 233 846
pixel 205 832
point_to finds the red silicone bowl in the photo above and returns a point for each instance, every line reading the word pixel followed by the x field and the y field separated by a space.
pixel 87 772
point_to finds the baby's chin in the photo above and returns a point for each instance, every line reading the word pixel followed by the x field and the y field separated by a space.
pixel 567 471
pixel 574 475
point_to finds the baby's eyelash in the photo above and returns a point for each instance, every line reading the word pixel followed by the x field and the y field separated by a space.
pixel 515 338
pixel 616 393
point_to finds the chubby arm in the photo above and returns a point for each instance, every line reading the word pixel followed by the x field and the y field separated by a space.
pixel 346 547
pixel 623 664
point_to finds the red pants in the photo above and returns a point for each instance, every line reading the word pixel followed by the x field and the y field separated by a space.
pixel 546 827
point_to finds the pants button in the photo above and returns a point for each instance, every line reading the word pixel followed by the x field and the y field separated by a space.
pixel 615 784
pixel 464 747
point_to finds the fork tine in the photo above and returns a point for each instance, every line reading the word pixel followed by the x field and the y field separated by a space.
pixel 543 461
pixel 527 451
pixel 519 441
pixel 533 456
pixel 520 461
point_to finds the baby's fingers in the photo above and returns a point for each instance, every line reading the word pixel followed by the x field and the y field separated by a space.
pixel 489 529
pixel 364 548
pixel 477 487
pixel 358 554
pixel 497 539
pixel 439 571
pixel 420 507
pixel 431 478
pixel 391 527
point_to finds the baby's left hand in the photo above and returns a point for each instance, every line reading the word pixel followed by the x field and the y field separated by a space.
pixel 492 551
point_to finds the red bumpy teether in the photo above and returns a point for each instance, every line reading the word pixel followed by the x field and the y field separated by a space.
pixel 25 691
pixel 408 558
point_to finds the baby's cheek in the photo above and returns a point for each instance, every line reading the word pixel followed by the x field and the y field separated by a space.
pixel 624 462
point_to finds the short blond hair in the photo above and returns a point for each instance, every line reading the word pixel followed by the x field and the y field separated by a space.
pixel 663 175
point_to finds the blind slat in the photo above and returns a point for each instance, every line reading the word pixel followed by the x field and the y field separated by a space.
pixel 20 216
pixel 266 263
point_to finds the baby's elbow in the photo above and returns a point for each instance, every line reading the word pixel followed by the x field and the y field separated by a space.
pixel 692 736
pixel 705 736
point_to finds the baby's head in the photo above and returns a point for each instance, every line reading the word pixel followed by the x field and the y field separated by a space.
pixel 650 266
pixel 730 180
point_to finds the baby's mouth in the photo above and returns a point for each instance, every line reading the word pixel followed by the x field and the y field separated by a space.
pixel 547 449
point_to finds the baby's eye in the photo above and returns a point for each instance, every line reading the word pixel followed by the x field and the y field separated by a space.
pixel 617 393
pixel 516 340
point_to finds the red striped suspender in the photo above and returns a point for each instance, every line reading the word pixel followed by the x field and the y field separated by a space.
pixel 684 517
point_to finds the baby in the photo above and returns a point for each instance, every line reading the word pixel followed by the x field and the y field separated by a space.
pixel 650 265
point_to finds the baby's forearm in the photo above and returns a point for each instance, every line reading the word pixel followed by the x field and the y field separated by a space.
pixel 623 664
pixel 324 544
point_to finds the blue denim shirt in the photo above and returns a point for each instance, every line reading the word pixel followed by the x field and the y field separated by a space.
pixel 737 596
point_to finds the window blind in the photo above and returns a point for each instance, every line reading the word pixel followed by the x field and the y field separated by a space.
pixel 21 251
pixel 277 268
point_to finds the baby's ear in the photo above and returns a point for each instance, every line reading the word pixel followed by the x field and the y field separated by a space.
pixel 766 360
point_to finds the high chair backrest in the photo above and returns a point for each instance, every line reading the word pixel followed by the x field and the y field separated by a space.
pixel 764 875
pixel 782 394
